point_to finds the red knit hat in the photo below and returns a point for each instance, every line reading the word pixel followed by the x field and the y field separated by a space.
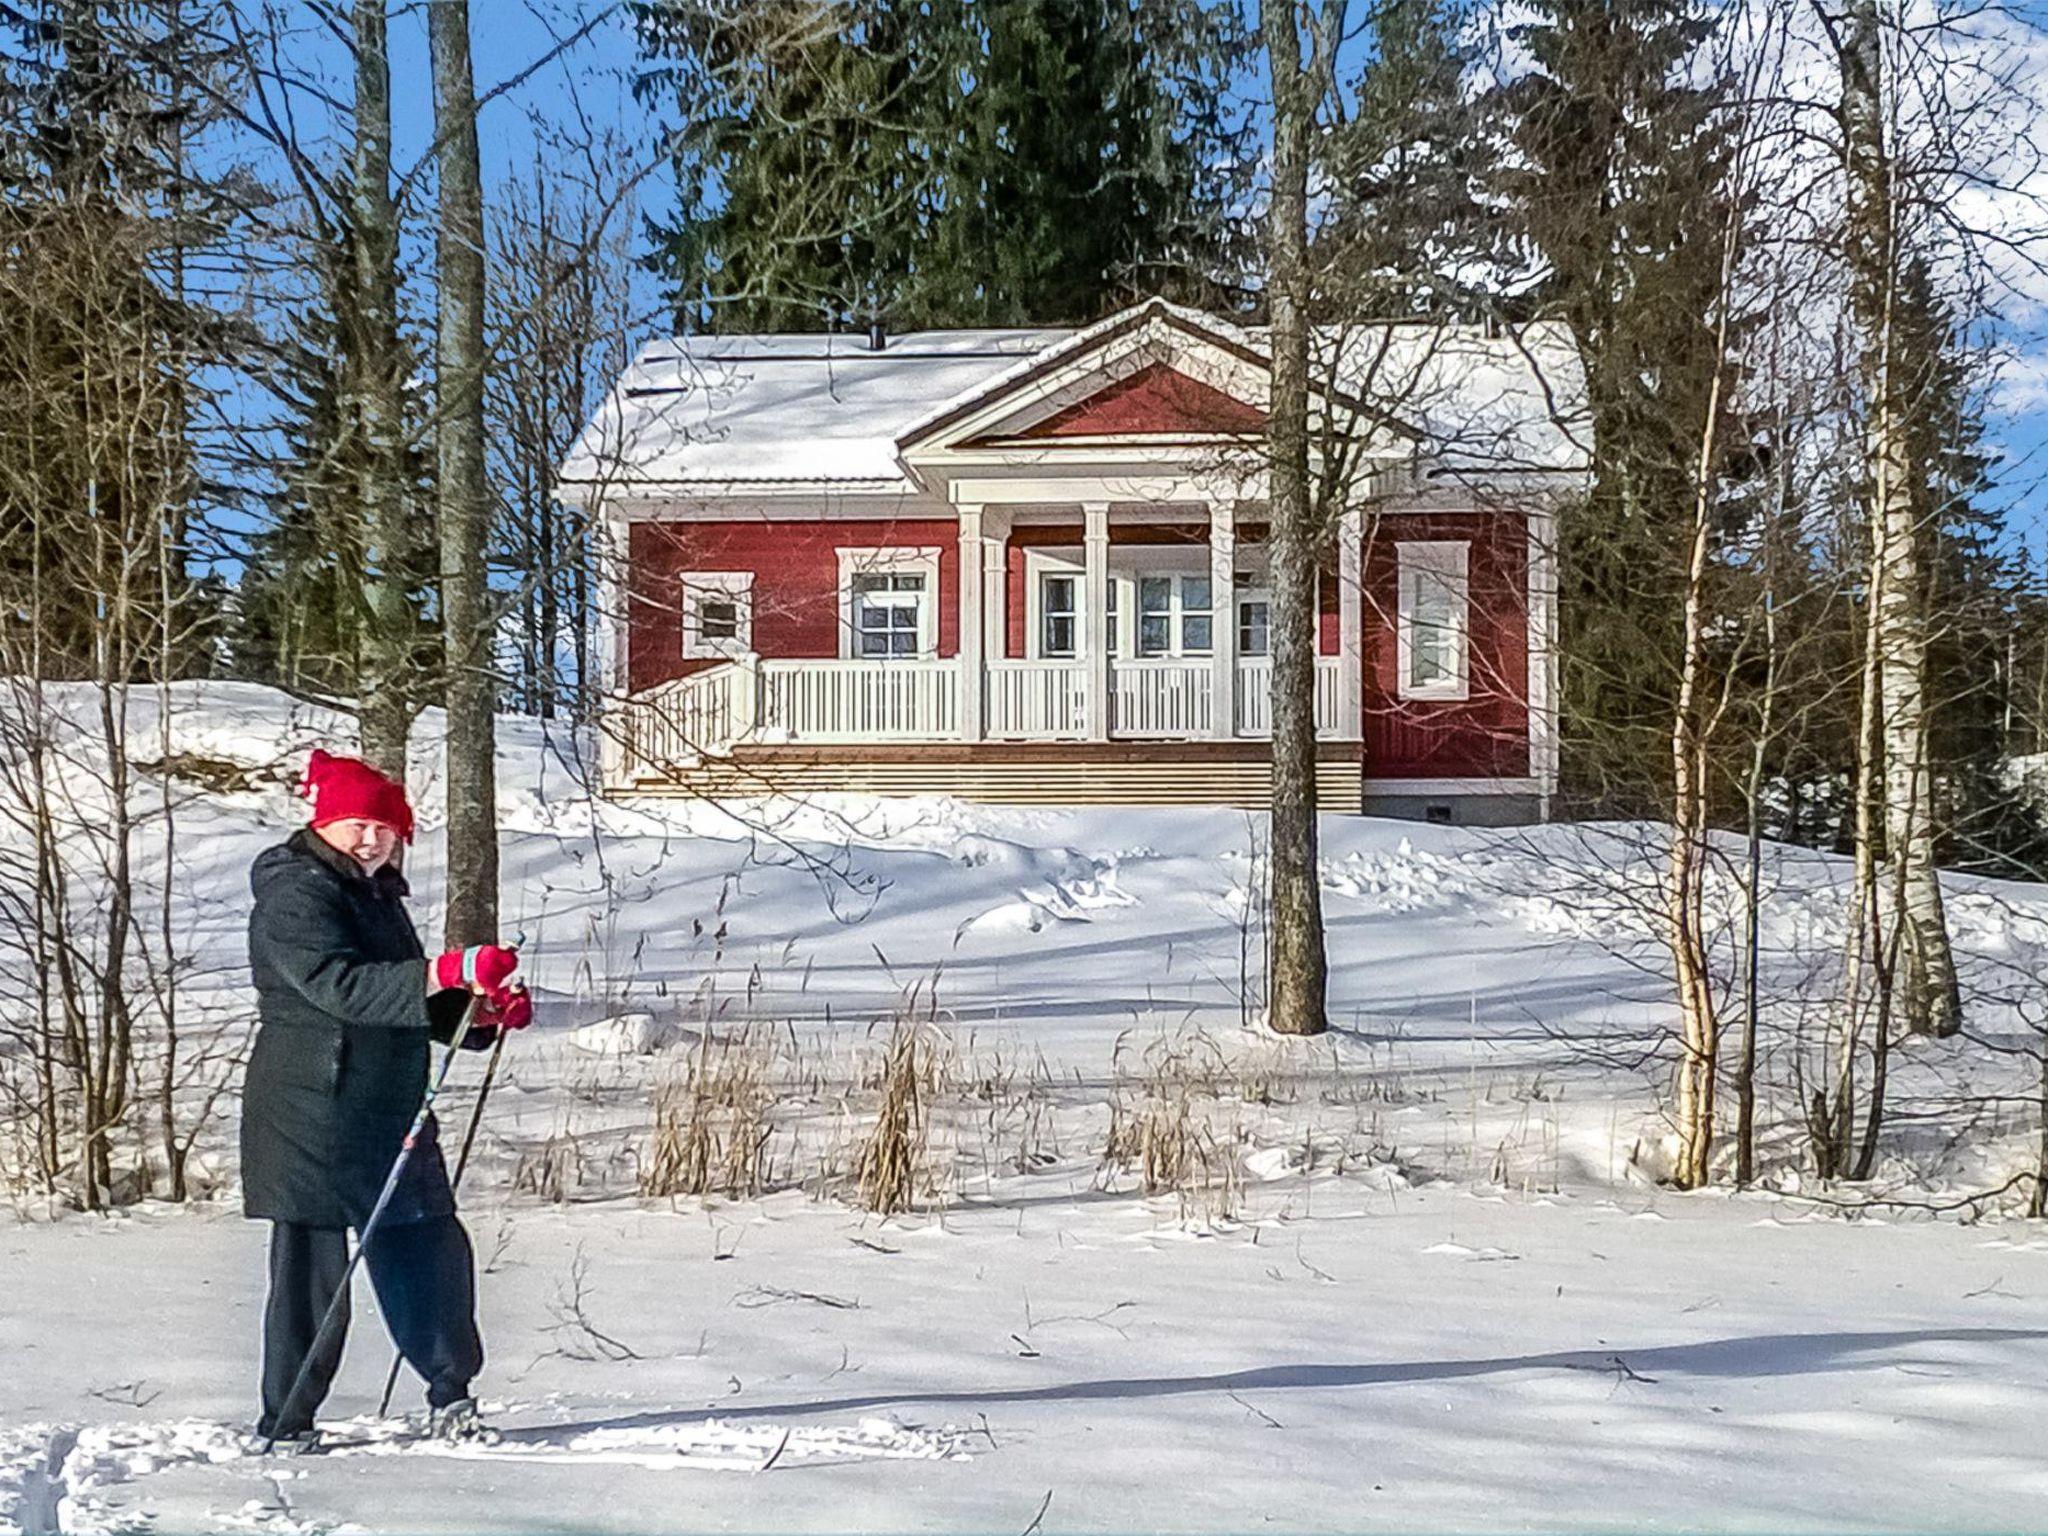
pixel 347 788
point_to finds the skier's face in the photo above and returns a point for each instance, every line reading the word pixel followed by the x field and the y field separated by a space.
pixel 369 843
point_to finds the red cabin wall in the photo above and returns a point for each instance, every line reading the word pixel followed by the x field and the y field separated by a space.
pixel 1487 735
pixel 796 583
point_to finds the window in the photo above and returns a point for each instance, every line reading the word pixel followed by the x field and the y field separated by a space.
pixel 1059 606
pixel 1173 616
pixel 1434 620
pixel 889 603
pixel 718 614
pixel 888 615
pixel 1254 619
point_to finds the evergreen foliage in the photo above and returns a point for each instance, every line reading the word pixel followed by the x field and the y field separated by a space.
pixel 957 162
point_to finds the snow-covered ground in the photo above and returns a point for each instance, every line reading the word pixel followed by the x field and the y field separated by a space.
pixel 1425 1279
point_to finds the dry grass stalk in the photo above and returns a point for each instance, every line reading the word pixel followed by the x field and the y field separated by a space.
pixel 1161 1125
pixel 712 1127
pixel 892 1169
pixel 551 1169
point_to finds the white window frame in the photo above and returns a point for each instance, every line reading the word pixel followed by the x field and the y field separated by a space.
pixel 1253 590
pixel 1039 564
pixel 1078 582
pixel 1177 612
pixel 903 560
pixel 1127 565
pixel 1449 559
pixel 698 585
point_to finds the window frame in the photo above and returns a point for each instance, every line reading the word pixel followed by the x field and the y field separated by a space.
pixel 900 560
pixel 1250 587
pixel 697 586
pixel 1450 561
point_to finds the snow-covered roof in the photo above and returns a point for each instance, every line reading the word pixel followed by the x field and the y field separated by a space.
pixel 831 412
pixel 721 410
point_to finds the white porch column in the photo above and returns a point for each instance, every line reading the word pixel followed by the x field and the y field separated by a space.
pixel 973 626
pixel 1351 623
pixel 1223 619
pixel 1095 628
pixel 995 583
pixel 1543 745
pixel 617 729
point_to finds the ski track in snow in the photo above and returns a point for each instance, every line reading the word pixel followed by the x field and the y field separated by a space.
pixel 96 1459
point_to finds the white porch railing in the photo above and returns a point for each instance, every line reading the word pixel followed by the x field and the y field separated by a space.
pixel 1037 700
pixel 1161 697
pixel 1255 696
pixel 849 701
pixel 678 723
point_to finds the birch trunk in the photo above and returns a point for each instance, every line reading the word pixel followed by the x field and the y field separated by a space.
pixel 385 703
pixel 1298 973
pixel 1929 1000
pixel 466 616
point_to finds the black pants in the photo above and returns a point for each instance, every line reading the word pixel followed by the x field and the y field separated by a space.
pixel 425 1276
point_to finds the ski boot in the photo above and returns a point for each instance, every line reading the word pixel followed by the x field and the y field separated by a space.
pixel 458 1423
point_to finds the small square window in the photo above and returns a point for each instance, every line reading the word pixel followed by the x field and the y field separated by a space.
pixel 717 614
pixel 719 619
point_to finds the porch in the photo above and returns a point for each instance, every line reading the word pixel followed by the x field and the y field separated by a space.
pixel 769 702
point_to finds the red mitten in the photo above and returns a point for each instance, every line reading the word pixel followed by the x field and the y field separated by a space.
pixel 482 967
pixel 509 1009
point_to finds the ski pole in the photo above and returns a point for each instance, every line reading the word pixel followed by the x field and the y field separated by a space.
pixel 363 1233
pixel 476 1116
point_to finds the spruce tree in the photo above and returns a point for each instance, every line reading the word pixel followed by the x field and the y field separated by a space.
pixel 1613 165
pixel 1409 235
pixel 955 162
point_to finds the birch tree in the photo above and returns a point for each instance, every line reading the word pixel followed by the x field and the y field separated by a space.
pixel 1929 999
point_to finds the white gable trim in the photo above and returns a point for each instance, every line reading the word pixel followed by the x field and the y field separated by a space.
pixel 1087 363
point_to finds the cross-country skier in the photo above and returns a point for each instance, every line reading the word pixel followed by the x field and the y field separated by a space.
pixel 346 1004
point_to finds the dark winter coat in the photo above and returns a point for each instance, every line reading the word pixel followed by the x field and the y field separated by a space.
pixel 342 1043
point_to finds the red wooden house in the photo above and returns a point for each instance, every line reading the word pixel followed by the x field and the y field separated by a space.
pixel 1029 565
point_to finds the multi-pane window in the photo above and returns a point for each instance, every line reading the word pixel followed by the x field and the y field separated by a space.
pixel 718 614
pixel 1173 616
pixel 1059 611
pixel 1254 619
pixel 889 614
pixel 1434 620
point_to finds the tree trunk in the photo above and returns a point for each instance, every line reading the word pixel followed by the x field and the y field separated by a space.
pixel 385 698
pixel 1929 1000
pixel 467 620
pixel 1297 980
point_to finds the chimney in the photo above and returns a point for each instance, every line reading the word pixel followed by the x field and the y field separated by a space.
pixel 878 338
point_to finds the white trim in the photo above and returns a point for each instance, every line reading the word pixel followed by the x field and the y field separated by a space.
pixel 1095 611
pixel 1350 622
pixel 1039 562
pixel 973 627
pixel 696 586
pixel 891 560
pixel 1222 552
pixel 1448 558
pixel 1541 687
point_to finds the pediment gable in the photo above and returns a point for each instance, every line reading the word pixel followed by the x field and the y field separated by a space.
pixel 1155 373
pixel 1156 401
